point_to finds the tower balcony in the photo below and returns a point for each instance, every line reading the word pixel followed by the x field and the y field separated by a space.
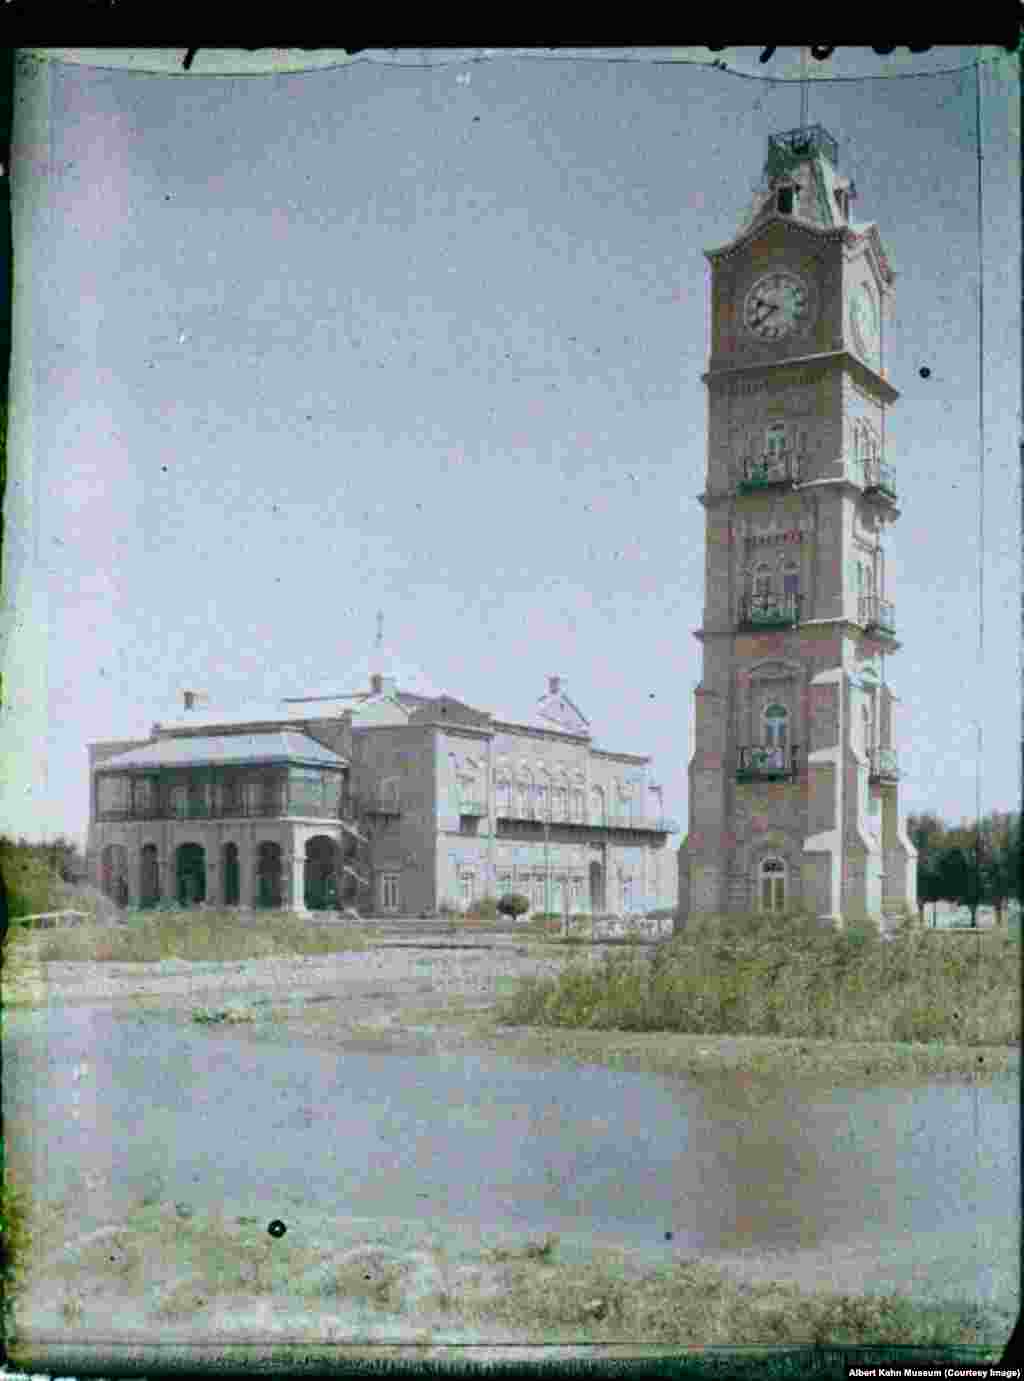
pixel 772 470
pixel 766 764
pixel 879 480
pixel 770 611
pixel 472 807
pixel 876 615
pixel 377 804
pixel 883 765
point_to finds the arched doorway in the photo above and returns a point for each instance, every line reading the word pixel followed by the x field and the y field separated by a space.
pixel 596 888
pixel 772 889
pixel 230 874
pixel 321 873
pixel 269 875
pixel 149 876
pixel 190 870
pixel 114 873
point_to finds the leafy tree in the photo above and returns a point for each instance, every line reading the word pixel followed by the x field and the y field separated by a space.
pixel 926 832
pixel 1001 860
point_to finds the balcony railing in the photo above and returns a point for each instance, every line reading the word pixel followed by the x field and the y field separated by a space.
pixel 608 821
pixel 775 468
pixel 381 805
pixel 876 615
pixel 472 807
pixel 757 764
pixel 770 611
pixel 228 810
pixel 884 765
pixel 879 479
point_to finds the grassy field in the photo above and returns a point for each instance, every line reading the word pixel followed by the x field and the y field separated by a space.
pixel 789 977
pixel 196 935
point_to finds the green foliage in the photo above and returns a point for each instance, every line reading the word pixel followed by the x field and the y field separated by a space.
pixel 486 909
pixel 197 934
pixel 513 904
pixel 791 977
pixel 972 864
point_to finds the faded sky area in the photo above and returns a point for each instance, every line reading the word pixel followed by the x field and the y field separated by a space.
pixel 290 349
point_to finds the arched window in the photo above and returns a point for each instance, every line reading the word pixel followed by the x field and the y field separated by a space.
pixel 775 722
pixel 772 889
pixel 542 794
pixel 762 579
pixel 775 441
pixel 596 806
pixel 525 795
pixel 503 794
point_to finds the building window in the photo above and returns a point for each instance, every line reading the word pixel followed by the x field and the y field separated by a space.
pixel 627 894
pixel 791 578
pixel 114 794
pixel 503 797
pixel 467 886
pixel 537 892
pixel 469 824
pixel 775 441
pixel 561 804
pixel 252 795
pixel 773 885
pixel 541 791
pixel 145 794
pixel 389 893
pixel 577 805
pixel 504 884
pixel 785 201
pixel 525 797
pixel 775 724
pixel 596 806
pixel 762 580
pixel 575 894
pixel 179 801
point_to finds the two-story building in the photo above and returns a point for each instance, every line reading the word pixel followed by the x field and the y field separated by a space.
pixel 395 799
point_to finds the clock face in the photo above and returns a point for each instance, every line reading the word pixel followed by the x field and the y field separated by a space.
pixel 864 323
pixel 776 306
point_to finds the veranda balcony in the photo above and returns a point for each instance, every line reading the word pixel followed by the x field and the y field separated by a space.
pixel 766 764
pixel 777 468
pixel 879 479
pixel 770 611
pixel 876 615
pixel 884 765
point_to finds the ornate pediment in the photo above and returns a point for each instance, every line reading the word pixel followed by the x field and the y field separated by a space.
pixel 557 709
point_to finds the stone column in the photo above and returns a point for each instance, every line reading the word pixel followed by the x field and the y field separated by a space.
pixel 296 901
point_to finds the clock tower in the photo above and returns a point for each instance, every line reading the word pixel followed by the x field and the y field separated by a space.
pixel 794 780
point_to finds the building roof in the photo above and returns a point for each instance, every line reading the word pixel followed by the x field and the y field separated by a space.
pixel 356 682
pixel 224 749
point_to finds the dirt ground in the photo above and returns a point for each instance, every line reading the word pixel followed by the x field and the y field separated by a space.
pixel 208 1280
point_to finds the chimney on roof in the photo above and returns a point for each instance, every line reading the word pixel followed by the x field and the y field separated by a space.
pixel 190 699
pixel 381 684
pixel 554 685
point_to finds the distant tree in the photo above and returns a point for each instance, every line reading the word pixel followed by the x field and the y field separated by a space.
pixel 926 832
pixel 1000 860
pixel 959 870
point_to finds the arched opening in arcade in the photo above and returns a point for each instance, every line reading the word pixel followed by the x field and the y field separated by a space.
pixel 190 873
pixel 149 875
pixel 230 874
pixel 114 873
pixel 321 874
pixel 269 877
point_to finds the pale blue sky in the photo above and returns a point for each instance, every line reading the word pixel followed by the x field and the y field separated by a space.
pixel 429 339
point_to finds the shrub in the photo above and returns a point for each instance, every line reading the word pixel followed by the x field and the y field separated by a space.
pixel 486 909
pixel 791 976
pixel 513 904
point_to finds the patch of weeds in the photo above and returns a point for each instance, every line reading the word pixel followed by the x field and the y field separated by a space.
pixel 210 1016
pixel 15 1232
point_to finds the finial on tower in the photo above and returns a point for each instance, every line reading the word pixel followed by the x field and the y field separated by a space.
pixel 380 629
